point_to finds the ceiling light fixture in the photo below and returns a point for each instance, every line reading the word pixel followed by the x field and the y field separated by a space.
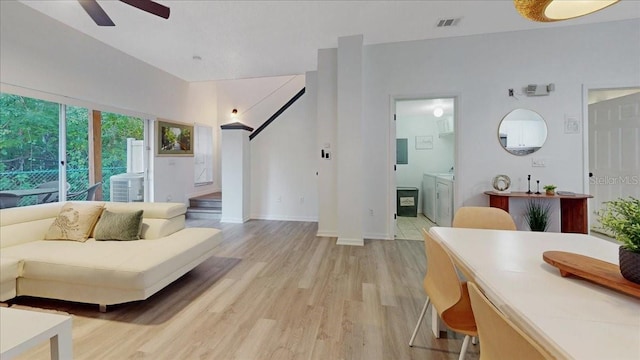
pixel 437 112
pixel 556 10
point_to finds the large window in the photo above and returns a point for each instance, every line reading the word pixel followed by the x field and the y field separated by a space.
pixel 77 151
pixel 28 144
pixel 30 155
pixel 116 130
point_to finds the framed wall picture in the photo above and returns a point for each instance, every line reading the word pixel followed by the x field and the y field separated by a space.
pixel 173 139
pixel 424 142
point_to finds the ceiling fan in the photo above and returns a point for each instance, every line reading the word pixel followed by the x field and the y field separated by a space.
pixel 102 19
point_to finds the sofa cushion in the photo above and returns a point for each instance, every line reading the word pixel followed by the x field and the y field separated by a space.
pixel 28 223
pixel 9 268
pixel 75 222
pixel 158 220
pixel 116 264
pixel 119 226
pixel 159 228
pixel 9 272
pixel 151 210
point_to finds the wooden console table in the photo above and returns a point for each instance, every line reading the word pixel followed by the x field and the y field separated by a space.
pixel 573 208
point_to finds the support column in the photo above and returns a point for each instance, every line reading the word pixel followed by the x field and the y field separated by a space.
pixel 349 155
pixel 236 172
pixel 327 89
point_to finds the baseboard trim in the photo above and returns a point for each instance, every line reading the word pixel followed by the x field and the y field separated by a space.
pixel 327 234
pixel 350 242
pixel 378 237
pixel 233 220
pixel 285 218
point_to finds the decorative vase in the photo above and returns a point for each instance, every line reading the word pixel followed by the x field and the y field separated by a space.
pixel 551 192
pixel 629 265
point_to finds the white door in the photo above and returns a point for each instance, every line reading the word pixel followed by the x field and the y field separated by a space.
pixel 614 151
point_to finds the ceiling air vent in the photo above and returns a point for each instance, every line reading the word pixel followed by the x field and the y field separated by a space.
pixel 448 22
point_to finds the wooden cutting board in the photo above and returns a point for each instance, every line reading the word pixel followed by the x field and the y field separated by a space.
pixel 597 271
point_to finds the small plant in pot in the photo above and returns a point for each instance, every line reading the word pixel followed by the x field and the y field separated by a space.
pixel 537 214
pixel 621 217
pixel 550 189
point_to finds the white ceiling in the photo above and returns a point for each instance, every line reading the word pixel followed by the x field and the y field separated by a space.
pixel 245 39
pixel 608 94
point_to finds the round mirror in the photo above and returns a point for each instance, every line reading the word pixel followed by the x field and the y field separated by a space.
pixel 522 132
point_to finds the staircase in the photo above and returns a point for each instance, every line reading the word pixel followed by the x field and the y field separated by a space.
pixel 205 207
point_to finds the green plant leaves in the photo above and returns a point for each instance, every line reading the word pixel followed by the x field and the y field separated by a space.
pixel 621 217
pixel 537 214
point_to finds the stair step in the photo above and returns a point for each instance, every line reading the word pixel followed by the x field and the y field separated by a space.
pixel 212 201
pixel 206 203
pixel 204 213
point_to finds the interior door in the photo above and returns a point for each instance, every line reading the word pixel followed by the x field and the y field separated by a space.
pixel 614 151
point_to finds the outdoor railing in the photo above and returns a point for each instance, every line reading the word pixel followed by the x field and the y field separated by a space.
pixel 78 180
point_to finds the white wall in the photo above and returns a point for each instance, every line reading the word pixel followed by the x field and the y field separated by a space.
pixel 481 69
pixel 43 58
pixel 283 171
pixel 283 162
pixel 40 55
pixel 437 160
pixel 255 99
pixel 43 54
pixel 202 108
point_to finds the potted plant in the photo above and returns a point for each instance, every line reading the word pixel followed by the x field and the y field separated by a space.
pixel 550 189
pixel 537 214
pixel 621 217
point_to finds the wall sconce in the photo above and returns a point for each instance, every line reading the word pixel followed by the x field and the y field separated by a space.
pixel 540 90
pixel 234 114
pixel 557 10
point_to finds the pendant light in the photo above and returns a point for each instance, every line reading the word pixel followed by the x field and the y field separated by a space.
pixel 557 10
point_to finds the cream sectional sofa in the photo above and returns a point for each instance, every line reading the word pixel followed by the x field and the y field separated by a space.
pixel 98 272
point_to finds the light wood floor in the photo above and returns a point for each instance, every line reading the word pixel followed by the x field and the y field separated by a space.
pixel 273 291
pixel 410 228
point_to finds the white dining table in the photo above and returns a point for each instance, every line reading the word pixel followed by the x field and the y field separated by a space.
pixel 571 317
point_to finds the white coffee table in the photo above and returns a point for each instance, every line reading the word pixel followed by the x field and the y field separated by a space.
pixel 22 329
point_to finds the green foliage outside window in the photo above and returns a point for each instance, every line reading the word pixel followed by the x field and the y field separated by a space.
pixel 29 143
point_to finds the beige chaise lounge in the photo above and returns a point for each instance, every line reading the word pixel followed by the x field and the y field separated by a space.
pixel 98 272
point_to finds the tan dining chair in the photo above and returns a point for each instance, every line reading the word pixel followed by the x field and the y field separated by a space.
pixel 447 294
pixel 501 339
pixel 477 217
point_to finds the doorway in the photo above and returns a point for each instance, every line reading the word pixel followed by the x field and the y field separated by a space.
pixel 425 163
pixel 614 147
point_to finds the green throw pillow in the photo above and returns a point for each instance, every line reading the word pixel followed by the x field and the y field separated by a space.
pixel 119 226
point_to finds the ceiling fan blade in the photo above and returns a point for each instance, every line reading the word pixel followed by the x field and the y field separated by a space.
pixel 96 12
pixel 149 6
